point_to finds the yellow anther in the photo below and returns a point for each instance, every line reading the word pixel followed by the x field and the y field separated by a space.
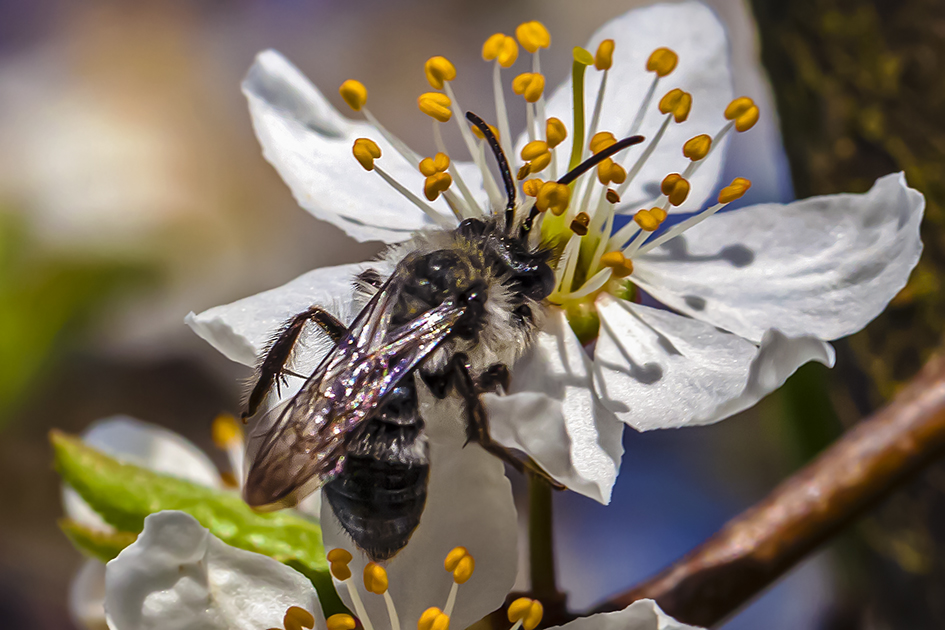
pixel 580 223
pixel 609 172
pixel 555 132
pixel 540 163
pixel 226 431
pixel 648 219
pixel 553 196
pixel 605 55
pixel 677 103
pixel 612 196
pixel 526 610
pixel 735 190
pixel 439 69
pixel 297 618
pixel 339 555
pixel 601 140
pixel 531 85
pixel 532 36
pixel 427 167
pixel 532 186
pixel 436 184
pixel 478 133
pixel 354 93
pixel 340 621
pixel 744 112
pixel 523 171
pixel 453 557
pixel 433 619
pixel 434 165
pixel 339 559
pixel 582 56
pixel 502 48
pixel 460 564
pixel 662 61
pixel 621 265
pixel 375 578
pixel 697 148
pixel 675 188
pixel 366 151
pixel 533 149
pixel 435 105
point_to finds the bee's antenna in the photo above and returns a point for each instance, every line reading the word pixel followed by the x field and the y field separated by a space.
pixel 599 157
pixel 503 167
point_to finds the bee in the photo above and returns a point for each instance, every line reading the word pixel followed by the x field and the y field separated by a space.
pixel 457 308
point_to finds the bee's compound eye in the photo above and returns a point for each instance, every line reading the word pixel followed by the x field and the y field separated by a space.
pixel 472 228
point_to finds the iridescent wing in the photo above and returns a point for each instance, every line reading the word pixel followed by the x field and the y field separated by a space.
pixel 305 446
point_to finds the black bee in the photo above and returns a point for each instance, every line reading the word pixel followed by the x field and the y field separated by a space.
pixel 458 307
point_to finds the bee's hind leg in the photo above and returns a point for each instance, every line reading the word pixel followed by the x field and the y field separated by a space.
pixel 273 366
pixel 477 421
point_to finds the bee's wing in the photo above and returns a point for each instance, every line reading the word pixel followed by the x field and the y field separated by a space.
pixel 305 446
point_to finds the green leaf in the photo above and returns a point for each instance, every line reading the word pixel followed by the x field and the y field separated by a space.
pixel 103 546
pixel 124 494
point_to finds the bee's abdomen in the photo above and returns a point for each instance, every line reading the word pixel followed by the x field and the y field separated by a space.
pixel 379 495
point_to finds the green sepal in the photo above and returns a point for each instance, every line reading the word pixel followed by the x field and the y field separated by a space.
pixel 124 494
pixel 100 545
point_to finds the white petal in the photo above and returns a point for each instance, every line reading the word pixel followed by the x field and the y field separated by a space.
pixel 310 144
pixel 644 614
pixel 178 576
pixel 658 370
pixel 552 414
pixel 693 31
pixel 824 266
pixel 469 504
pixel 242 329
pixel 87 596
pixel 146 445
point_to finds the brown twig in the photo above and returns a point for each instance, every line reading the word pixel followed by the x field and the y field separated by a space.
pixel 761 544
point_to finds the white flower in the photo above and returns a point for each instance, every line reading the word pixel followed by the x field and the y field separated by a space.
pixel 178 576
pixel 155 448
pixel 759 291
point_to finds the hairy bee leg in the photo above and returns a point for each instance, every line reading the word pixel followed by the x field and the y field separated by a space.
pixel 273 366
pixel 477 421
pixel 496 375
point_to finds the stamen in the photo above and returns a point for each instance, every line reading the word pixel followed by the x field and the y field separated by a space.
pixel 647 152
pixel 553 196
pixel 375 581
pixel 504 51
pixel 354 93
pixel 338 565
pixel 730 193
pixel 555 133
pixel 439 70
pixel 582 59
pixel 525 612
pixel 580 223
pixel 529 85
pixel 569 261
pixel 676 188
pixel 435 105
pixel 433 619
pixel 603 60
pixel 297 618
pixel 227 434
pixel 462 565
pixel 697 148
pixel 621 265
pixel 366 151
pixel 531 187
pixel 462 208
pixel 661 62
pixel 744 112
pixel 533 36
pixel 341 621
pixel 597 281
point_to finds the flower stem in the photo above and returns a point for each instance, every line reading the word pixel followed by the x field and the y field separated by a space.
pixel 541 540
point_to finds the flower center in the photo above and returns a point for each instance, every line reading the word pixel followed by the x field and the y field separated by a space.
pixel 572 200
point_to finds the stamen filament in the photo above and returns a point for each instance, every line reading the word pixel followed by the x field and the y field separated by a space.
pixel 451 600
pixel 401 147
pixel 603 243
pixel 391 611
pixel 501 114
pixel 638 119
pixel 598 104
pixel 635 244
pixel 597 281
pixel 437 218
pixel 647 152
pixel 571 263
pixel 470 208
pixel 566 257
pixel 681 227
pixel 618 240
pixel 359 608
pixel 530 122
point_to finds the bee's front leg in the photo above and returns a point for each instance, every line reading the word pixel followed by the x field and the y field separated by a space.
pixel 477 420
pixel 273 366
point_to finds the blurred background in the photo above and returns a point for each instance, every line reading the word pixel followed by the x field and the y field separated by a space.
pixel 133 191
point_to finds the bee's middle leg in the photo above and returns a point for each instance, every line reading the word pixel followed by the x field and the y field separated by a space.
pixel 477 420
pixel 273 366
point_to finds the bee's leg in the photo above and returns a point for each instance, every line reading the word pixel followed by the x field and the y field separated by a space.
pixel 496 375
pixel 477 421
pixel 273 367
